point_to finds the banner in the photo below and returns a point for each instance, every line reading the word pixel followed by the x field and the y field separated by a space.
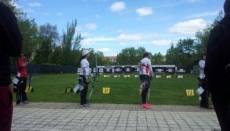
pixel 127 70
pixel 158 70
pixel 181 70
pixel 95 70
pixel 107 70
pixel 101 70
pixel 169 70
pixel 117 70
pixel 136 69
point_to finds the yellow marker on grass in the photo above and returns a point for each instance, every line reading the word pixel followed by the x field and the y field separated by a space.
pixel 106 90
pixel 190 92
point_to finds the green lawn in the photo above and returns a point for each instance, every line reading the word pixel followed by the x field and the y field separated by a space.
pixel 51 88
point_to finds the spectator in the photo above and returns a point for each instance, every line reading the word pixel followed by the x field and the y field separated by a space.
pixel 10 46
pixel 204 102
pixel 218 57
pixel 22 74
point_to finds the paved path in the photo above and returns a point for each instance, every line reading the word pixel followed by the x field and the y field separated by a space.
pixel 41 117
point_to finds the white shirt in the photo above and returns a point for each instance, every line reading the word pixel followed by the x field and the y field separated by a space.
pixel 201 67
pixel 85 70
pixel 145 67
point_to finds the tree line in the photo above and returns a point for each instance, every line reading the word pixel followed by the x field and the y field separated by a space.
pixel 44 45
pixel 182 53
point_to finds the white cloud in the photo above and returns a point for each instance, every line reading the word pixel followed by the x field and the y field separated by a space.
pixel 85 34
pixel 123 44
pixel 130 37
pixel 102 39
pixel 86 42
pixel 203 14
pixel 59 14
pixel 29 10
pixel 91 26
pixel 144 11
pixel 188 27
pixel 151 35
pixel 162 42
pixel 90 41
pixel 105 50
pixel 34 4
pixel 117 6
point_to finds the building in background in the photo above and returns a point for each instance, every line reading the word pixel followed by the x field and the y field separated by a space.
pixel 112 59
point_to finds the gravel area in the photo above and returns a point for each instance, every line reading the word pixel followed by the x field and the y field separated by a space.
pixel 131 107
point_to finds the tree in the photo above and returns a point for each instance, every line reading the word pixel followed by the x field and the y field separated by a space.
pixel 130 56
pixel 158 59
pixel 171 55
pixel 203 36
pixel 56 56
pixel 69 43
pixel 186 46
pixel 29 32
pixel 49 37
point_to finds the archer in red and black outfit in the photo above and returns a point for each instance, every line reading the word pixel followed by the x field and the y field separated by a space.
pixel 22 75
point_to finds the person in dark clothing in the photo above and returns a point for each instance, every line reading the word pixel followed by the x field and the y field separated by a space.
pixel 218 56
pixel 204 101
pixel 10 45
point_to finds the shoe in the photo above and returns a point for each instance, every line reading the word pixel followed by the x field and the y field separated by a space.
pixel 146 106
pixel 86 105
pixel 209 107
pixel 25 102
pixel 20 104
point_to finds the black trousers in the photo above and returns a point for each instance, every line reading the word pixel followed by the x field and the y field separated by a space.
pixel 83 95
pixel 205 95
pixel 145 78
pixel 20 93
pixel 221 102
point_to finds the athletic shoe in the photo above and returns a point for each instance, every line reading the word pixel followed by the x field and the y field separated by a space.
pixel 86 105
pixel 20 104
pixel 146 106
pixel 25 102
pixel 209 107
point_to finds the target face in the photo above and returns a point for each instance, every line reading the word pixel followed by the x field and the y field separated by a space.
pixel 101 70
pixel 159 70
pixel 128 69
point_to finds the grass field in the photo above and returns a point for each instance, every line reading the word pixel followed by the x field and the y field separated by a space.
pixel 51 88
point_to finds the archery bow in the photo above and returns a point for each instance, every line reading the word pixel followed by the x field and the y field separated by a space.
pixel 94 81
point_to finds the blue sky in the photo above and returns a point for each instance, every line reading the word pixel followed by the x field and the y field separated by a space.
pixel 111 25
